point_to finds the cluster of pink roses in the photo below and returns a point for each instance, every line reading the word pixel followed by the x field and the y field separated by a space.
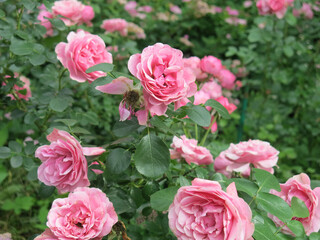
pixel 87 213
pixel 72 12
pixel 305 10
pixel 277 7
pixel 132 8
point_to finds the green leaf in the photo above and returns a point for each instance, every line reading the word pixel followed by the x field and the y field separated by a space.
pixel 152 156
pixel 15 147
pixel 3 173
pixel 104 67
pixel 5 152
pixel 315 183
pixel 46 191
pixel 218 107
pixel 314 236
pixel 29 4
pixel 245 185
pixel 24 203
pixel 183 181
pixel 262 232
pixel 80 130
pixel 199 115
pixel 58 23
pixel 59 104
pixel 299 208
pixel 162 199
pixel 159 123
pixel 29 148
pixel 118 160
pixel 2 13
pixel 21 48
pixel 288 51
pixel 37 59
pixel 33 174
pixel 4 134
pixel 275 205
pixel 16 161
pixel 254 35
pixel 290 19
pixel 266 180
pixel 68 122
pixel 296 227
pixel 122 129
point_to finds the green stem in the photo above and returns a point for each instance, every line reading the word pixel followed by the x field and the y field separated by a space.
pixel 60 78
pixel 19 18
pixel 280 228
pixel 196 130
pixel 207 132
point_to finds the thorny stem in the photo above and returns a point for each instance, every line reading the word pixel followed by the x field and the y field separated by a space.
pixel 60 77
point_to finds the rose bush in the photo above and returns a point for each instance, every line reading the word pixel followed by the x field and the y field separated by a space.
pixel 196 75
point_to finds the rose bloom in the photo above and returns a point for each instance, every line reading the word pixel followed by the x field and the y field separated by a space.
pixel 83 51
pixel 85 214
pixel 175 9
pixel 212 88
pixel 190 151
pixel 277 7
pixel 43 14
pixel 194 64
pixel 63 162
pixel 205 211
pixel 227 79
pixel 73 11
pixel 238 158
pixel 225 102
pixel 299 186
pixel 211 64
pixel 115 25
pixel 163 77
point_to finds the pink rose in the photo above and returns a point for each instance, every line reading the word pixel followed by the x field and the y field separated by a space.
pixel 87 15
pixel 85 214
pixel 212 88
pixel 115 25
pixel 83 51
pixel 146 9
pixel 299 186
pixel 175 9
pixel 163 77
pixel 46 235
pixel 238 158
pixel 194 64
pixel 247 4
pixel 211 64
pixel 23 92
pixel 277 7
pixel 43 14
pixel 63 162
pixel 231 11
pixel 227 79
pixel 225 102
pixel 130 7
pixel 205 211
pixel 70 9
pixel 190 151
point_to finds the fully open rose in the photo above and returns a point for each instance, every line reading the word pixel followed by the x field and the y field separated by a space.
pixel 63 162
pixel 299 186
pixel 238 158
pixel 164 79
pixel 205 211
pixel 85 214
pixel 83 51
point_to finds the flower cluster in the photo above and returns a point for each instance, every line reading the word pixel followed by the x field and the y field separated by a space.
pixel 277 7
